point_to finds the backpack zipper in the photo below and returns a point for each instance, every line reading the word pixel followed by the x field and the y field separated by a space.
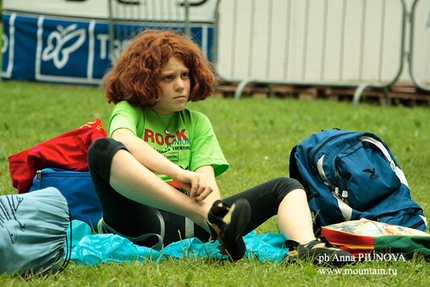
pixel 39 175
pixel 335 192
pixel 314 153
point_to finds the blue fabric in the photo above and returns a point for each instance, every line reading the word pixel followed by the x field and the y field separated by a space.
pixel 93 249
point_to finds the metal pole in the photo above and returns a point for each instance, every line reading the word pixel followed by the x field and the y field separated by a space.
pixel 187 19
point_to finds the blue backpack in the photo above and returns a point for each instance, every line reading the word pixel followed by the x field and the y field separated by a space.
pixel 351 175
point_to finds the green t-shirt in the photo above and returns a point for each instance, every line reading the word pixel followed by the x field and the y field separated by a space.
pixel 191 143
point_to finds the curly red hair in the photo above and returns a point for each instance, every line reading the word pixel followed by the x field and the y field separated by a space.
pixel 136 75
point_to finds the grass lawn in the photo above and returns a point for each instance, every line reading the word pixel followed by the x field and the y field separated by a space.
pixel 256 136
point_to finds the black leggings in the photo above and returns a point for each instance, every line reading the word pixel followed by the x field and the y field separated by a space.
pixel 132 219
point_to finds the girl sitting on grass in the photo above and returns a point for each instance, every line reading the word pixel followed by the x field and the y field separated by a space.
pixel 155 175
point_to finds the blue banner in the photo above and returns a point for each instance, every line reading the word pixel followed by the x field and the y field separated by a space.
pixel 66 50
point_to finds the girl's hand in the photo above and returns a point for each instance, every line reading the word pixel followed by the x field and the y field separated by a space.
pixel 195 184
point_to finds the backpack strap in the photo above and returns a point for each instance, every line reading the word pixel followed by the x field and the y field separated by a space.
pixel 105 228
pixel 400 174
pixel 295 173
pixel 189 228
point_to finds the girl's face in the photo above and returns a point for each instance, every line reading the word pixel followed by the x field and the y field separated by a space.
pixel 175 87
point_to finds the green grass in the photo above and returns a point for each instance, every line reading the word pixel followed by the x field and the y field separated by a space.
pixel 256 136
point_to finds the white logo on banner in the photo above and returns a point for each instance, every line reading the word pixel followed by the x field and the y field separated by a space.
pixel 5 43
pixel 61 43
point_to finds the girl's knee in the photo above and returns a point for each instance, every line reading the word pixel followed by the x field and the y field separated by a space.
pixel 286 185
pixel 100 144
pixel 102 150
pixel 289 183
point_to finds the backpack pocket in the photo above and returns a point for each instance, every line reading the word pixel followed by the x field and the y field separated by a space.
pixel 410 217
pixel 354 174
pixel 76 187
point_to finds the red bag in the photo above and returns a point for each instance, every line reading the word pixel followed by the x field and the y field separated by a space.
pixel 66 151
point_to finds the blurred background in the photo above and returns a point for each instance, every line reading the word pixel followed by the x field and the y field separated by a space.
pixel 334 49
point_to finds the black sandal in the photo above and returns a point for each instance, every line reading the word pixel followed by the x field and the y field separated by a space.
pixel 227 224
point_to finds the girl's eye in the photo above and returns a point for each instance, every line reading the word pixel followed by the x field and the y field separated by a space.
pixel 185 75
pixel 167 78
